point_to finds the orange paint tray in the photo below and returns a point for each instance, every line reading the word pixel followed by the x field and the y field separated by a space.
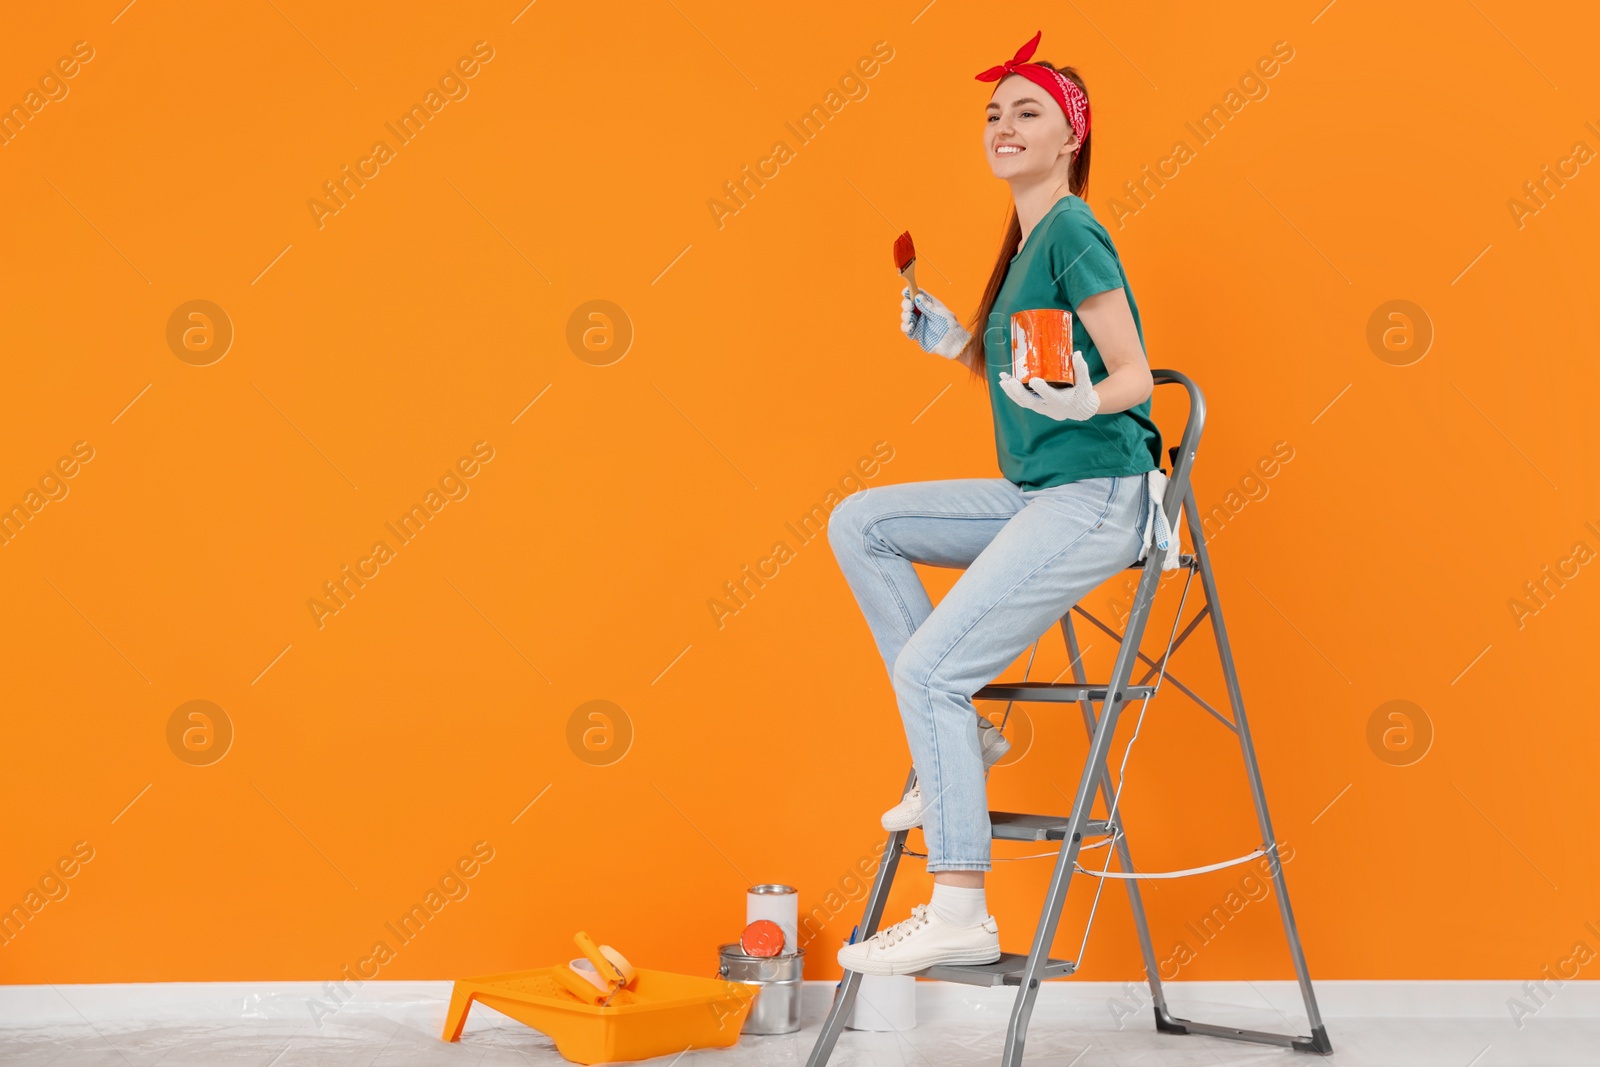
pixel 660 1014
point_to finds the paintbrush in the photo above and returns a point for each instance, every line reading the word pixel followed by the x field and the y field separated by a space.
pixel 905 261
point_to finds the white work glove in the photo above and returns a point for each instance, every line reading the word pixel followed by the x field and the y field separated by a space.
pixel 1076 402
pixel 931 324
pixel 1158 531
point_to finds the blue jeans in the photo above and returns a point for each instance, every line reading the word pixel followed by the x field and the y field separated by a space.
pixel 1029 555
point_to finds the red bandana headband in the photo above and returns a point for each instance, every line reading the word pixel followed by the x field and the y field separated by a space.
pixel 1061 89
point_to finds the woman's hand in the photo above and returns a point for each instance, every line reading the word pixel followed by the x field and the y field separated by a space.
pixel 1076 402
pixel 932 325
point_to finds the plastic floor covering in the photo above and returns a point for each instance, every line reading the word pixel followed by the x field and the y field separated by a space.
pixel 1076 1024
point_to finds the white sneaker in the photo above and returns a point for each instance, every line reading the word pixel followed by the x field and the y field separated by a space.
pixel 920 942
pixel 908 813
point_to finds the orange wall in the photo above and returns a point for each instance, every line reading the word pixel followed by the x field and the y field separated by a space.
pixel 376 748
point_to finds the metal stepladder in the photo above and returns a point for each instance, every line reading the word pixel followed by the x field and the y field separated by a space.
pixel 1026 972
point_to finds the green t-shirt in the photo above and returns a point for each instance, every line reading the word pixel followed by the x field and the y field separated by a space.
pixel 1067 257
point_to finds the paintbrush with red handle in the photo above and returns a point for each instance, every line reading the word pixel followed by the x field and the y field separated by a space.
pixel 905 261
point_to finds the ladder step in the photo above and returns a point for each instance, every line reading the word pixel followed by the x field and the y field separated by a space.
pixel 1184 560
pixel 1007 970
pixel 1022 826
pixel 1056 692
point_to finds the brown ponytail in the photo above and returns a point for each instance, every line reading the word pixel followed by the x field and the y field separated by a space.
pixel 1078 183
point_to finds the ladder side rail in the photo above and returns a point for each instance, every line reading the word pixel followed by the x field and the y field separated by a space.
pixel 1319 1037
pixel 872 914
pixel 1188 443
pixel 1141 923
pixel 1083 801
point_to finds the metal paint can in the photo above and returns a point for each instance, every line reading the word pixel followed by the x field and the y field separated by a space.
pixel 778 903
pixel 1041 345
pixel 777 981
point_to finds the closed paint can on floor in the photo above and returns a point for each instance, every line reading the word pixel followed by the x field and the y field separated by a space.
pixel 777 981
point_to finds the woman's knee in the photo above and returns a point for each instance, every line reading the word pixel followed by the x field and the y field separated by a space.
pixel 912 672
pixel 849 521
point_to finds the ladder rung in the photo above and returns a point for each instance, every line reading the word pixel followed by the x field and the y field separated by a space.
pixel 1056 692
pixel 1184 560
pixel 1022 826
pixel 1007 970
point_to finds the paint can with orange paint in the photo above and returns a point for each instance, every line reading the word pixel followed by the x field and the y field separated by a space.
pixel 1041 345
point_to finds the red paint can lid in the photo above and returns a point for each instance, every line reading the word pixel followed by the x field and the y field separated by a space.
pixel 762 938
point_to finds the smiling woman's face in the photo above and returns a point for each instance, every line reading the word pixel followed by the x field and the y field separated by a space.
pixel 1025 133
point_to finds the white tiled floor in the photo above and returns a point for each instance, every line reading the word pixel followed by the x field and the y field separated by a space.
pixel 397 1024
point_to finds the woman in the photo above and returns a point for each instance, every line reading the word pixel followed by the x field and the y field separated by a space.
pixel 1073 508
